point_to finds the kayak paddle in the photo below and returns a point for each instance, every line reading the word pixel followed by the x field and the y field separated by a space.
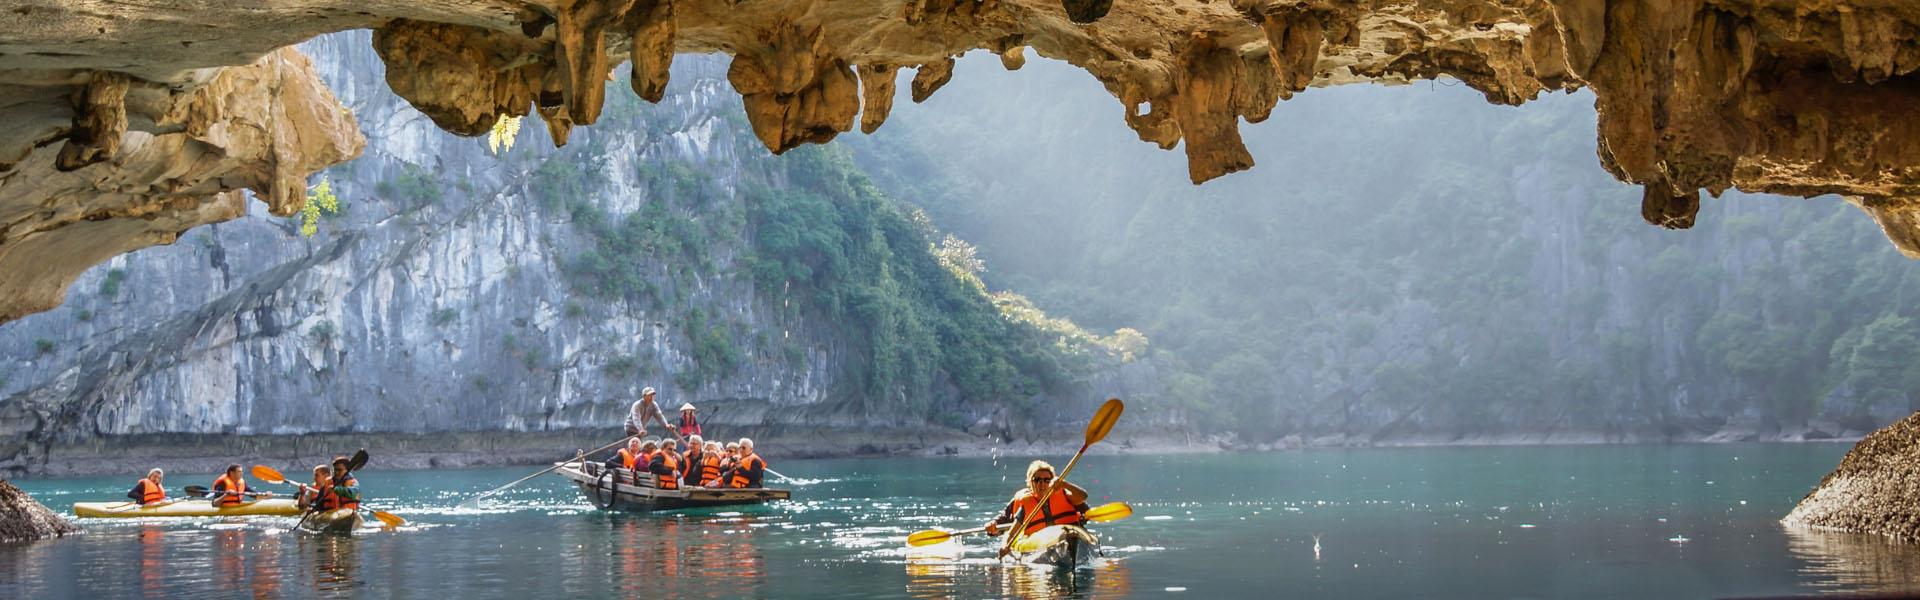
pixel 268 474
pixel 475 501
pixel 1097 430
pixel 1102 514
pixel 201 491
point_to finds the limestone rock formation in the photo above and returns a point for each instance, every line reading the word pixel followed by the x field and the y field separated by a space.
pixel 1872 491
pixel 23 519
pixel 1799 97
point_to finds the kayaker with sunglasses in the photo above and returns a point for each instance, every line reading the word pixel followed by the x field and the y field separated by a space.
pixel 1067 505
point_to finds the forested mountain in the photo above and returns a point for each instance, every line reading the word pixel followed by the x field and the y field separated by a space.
pixel 457 288
pixel 1413 264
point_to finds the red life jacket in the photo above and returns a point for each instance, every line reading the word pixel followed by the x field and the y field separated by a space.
pixel 1060 511
pixel 709 470
pixel 670 481
pixel 739 479
pixel 150 492
pixel 688 425
pixel 233 483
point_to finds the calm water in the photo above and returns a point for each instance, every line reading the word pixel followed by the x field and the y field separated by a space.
pixel 1577 522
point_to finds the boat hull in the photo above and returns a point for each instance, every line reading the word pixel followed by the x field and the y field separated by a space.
pixel 614 489
pixel 340 521
pixel 282 507
pixel 1059 546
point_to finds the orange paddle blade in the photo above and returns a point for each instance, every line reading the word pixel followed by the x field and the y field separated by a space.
pixel 267 473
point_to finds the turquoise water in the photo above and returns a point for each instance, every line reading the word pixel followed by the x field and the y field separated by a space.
pixel 1529 522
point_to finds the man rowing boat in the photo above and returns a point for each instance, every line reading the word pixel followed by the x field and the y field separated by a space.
pixel 643 410
pixel 1068 505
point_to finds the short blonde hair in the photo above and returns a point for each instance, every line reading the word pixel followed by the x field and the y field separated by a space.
pixel 323 469
pixel 1038 466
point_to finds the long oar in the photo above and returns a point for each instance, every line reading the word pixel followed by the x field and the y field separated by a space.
pixel 1107 512
pixel 1102 423
pixel 267 473
pixel 475 501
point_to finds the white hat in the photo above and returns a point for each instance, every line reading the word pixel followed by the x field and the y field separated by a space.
pixel 647 392
pixel 687 406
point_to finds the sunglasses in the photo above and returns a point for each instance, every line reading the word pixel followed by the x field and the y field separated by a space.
pixel 1041 479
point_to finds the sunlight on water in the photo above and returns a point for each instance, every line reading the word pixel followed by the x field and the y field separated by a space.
pixel 1635 522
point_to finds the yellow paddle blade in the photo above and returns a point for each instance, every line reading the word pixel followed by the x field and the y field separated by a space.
pixel 267 473
pixel 1103 421
pixel 392 520
pixel 1110 512
pixel 928 537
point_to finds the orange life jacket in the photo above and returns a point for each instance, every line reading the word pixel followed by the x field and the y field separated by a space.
pixel 233 484
pixel 670 481
pixel 323 498
pixel 1060 511
pixel 709 470
pixel 150 492
pixel 627 458
pixel 339 502
pixel 739 479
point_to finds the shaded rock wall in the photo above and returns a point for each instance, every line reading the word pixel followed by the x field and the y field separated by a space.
pixel 1873 489
pixel 1796 97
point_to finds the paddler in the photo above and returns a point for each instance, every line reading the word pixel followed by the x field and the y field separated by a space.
pixel 748 471
pixel 314 496
pixel 665 466
pixel 689 426
pixel 229 489
pixel 148 489
pixel 1067 505
pixel 345 492
pixel 644 410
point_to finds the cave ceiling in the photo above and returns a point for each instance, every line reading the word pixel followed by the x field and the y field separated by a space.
pixel 128 123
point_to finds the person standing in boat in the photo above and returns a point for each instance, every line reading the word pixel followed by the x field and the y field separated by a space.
pixel 689 426
pixel 346 489
pixel 148 489
pixel 665 466
pixel 1065 506
pixel 750 468
pixel 643 410
pixel 229 489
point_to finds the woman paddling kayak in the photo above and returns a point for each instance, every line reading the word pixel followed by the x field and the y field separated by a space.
pixel 1066 506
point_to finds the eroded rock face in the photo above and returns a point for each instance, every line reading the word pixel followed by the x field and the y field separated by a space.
pixel 23 519
pixel 1872 489
pixel 1803 97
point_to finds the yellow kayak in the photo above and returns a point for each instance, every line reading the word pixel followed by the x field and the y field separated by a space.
pixel 186 508
pixel 339 520
pixel 1058 545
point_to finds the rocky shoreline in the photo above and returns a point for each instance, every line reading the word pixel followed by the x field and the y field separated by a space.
pixel 1871 491
pixel 208 453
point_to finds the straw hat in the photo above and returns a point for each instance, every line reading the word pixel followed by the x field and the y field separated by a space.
pixel 686 407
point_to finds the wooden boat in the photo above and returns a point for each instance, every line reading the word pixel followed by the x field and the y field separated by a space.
pixel 340 520
pixel 186 508
pixel 1058 545
pixel 616 489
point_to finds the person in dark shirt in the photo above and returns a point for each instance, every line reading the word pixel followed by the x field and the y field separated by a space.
pixel 148 490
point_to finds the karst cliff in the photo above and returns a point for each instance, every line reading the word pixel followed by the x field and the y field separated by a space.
pixel 130 123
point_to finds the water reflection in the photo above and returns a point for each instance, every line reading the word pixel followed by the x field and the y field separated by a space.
pixel 152 569
pixel 933 575
pixel 336 564
pixel 687 556
pixel 1854 562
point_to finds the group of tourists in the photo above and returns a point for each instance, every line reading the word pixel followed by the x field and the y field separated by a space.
pixel 704 463
pixel 333 487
